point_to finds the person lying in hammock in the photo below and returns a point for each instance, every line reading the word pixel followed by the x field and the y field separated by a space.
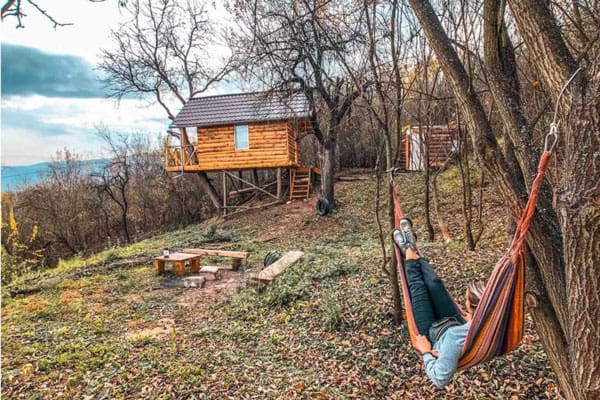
pixel 442 328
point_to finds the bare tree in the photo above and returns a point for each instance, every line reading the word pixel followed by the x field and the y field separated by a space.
pixel 115 177
pixel 465 168
pixel 16 9
pixel 307 47
pixel 385 106
pixel 166 53
pixel 62 206
pixel 564 277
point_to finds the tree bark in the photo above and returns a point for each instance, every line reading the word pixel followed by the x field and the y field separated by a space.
pixel 209 189
pixel 579 215
pixel 577 188
pixel 394 262
pixel 328 174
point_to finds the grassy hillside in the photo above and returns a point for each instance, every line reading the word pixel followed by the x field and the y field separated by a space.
pixel 102 328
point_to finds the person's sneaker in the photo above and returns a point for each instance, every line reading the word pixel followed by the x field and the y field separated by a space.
pixel 405 237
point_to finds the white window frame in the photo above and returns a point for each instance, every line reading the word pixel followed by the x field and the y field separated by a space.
pixel 235 141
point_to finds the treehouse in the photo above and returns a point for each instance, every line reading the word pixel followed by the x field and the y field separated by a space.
pixel 440 139
pixel 236 133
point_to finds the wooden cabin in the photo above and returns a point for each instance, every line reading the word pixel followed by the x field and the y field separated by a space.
pixel 442 142
pixel 239 132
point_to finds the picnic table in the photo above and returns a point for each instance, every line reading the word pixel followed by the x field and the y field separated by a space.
pixel 178 261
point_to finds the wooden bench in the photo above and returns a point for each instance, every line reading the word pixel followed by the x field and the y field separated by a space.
pixel 178 260
pixel 273 270
pixel 236 256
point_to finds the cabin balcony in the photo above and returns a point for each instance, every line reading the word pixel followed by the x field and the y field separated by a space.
pixel 181 158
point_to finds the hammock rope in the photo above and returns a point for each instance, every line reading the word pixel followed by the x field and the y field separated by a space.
pixel 497 323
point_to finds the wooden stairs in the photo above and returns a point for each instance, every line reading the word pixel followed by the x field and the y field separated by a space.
pixel 301 181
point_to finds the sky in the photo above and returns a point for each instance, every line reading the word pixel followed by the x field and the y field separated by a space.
pixel 52 98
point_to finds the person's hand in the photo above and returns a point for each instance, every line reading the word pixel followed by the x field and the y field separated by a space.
pixel 422 344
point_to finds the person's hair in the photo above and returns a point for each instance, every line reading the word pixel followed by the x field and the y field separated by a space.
pixel 476 289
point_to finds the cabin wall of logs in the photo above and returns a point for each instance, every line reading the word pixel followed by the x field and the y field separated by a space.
pixel 270 145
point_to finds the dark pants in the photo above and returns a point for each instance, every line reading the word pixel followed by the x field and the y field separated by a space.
pixel 429 297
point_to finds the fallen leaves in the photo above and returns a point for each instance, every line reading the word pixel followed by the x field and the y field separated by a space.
pixel 130 342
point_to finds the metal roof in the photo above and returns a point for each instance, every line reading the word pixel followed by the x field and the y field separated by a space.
pixel 240 108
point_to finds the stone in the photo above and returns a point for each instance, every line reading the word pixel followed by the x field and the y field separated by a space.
pixel 211 273
pixel 194 282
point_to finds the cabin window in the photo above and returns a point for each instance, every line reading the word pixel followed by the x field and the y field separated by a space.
pixel 241 137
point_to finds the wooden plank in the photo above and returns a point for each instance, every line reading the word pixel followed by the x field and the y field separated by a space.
pixel 273 149
pixel 249 184
pixel 242 154
pixel 241 157
pixel 239 166
pixel 254 145
pixel 267 274
pixel 176 257
pixel 253 208
pixel 279 183
pixel 251 189
pixel 266 152
pixel 232 166
pixel 229 145
pixel 257 136
pixel 220 253
pixel 224 182
pixel 251 129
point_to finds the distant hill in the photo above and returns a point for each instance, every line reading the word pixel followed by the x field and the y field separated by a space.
pixel 15 177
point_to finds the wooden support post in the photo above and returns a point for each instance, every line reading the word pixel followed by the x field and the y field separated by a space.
pixel 179 268
pixel 279 183
pixel 195 264
pixel 224 194
pixel 184 137
pixel 159 267
pixel 236 263
pixel 184 143
pixel 209 189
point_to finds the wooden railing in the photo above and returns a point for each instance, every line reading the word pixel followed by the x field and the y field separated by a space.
pixel 176 156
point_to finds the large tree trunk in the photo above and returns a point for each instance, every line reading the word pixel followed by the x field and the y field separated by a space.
pixel 579 193
pixel 579 215
pixel 328 170
pixel 209 189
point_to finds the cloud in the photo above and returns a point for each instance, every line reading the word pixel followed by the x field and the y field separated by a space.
pixel 29 71
pixel 35 127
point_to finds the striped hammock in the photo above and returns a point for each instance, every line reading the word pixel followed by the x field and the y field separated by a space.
pixel 497 324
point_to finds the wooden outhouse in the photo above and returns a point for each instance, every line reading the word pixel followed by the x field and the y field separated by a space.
pixel 246 131
pixel 441 140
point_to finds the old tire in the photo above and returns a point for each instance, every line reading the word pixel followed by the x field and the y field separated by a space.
pixel 323 207
pixel 270 258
